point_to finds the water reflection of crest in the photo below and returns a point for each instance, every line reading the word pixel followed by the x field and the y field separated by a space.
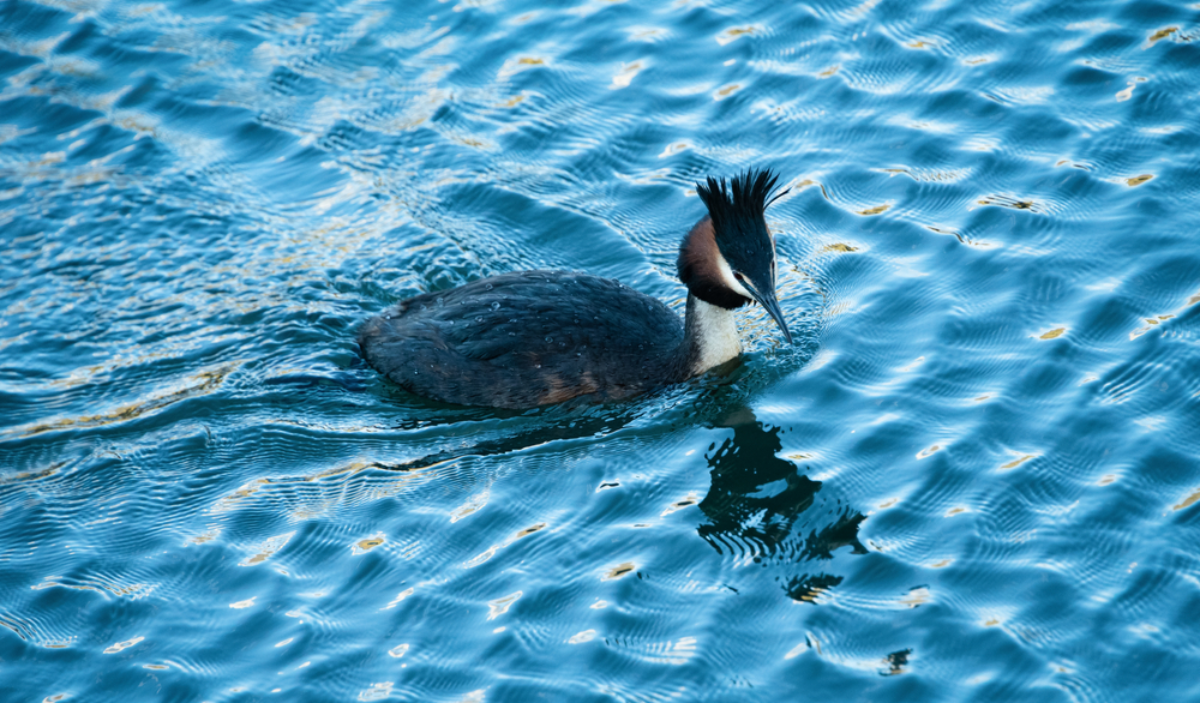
pixel 760 506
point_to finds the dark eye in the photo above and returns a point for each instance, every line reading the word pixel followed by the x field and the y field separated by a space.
pixel 740 278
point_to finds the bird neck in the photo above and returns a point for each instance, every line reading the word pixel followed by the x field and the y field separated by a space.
pixel 710 336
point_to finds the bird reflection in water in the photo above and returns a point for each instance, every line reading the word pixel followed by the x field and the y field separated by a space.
pixel 758 503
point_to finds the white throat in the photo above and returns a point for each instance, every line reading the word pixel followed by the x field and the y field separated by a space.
pixel 715 335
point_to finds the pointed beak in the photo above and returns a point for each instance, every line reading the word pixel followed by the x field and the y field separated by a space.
pixel 769 303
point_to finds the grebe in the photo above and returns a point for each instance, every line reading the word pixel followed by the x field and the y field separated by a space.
pixel 520 340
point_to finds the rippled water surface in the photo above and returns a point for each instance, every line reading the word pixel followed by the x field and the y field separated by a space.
pixel 973 477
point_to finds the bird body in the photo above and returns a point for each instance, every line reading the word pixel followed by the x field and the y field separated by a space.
pixel 530 338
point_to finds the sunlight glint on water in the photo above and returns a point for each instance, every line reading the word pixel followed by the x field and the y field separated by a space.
pixel 973 477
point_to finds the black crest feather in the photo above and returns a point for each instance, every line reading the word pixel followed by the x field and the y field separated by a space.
pixel 739 211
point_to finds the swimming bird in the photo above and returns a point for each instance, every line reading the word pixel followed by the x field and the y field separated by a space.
pixel 520 340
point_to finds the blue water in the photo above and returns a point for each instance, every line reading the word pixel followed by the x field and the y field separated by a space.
pixel 974 477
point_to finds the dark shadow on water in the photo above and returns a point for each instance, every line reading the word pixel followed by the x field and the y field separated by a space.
pixel 760 506
pixel 563 429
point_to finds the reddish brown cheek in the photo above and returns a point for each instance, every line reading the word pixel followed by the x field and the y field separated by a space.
pixel 700 250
